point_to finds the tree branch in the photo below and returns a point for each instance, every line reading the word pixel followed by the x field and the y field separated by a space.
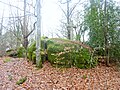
pixel 63 11
pixel 31 30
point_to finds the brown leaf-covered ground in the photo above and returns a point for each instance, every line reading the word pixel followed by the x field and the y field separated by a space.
pixel 51 78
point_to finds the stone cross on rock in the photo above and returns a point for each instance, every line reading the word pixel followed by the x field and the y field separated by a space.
pixel 70 27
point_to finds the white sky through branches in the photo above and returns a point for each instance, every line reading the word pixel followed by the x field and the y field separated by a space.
pixel 51 13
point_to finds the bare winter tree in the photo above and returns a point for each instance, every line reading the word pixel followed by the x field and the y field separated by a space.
pixel 79 25
pixel 21 26
pixel 1 37
pixel 1 24
pixel 25 31
pixel 68 14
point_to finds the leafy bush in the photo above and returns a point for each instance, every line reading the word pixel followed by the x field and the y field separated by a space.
pixel 99 51
pixel 115 51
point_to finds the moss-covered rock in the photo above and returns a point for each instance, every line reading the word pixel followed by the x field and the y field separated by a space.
pixel 63 53
pixel 32 49
pixel 34 57
pixel 12 53
pixel 19 52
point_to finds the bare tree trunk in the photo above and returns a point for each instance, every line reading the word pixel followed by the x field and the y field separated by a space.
pixel 68 15
pixel 68 21
pixel 38 35
pixel 25 39
pixel 1 24
pixel 105 33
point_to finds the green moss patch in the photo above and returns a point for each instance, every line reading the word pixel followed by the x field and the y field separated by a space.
pixel 32 51
pixel 21 81
pixel 6 60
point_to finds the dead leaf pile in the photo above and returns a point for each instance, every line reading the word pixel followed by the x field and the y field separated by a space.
pixel 51 78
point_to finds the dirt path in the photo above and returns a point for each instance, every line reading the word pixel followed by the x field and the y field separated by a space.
pixel 49 78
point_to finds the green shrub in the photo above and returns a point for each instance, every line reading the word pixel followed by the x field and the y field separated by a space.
pixel 99 51
pixel 21 52
pixel 115 51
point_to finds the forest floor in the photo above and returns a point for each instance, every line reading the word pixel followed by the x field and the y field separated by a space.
pixel 51 78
